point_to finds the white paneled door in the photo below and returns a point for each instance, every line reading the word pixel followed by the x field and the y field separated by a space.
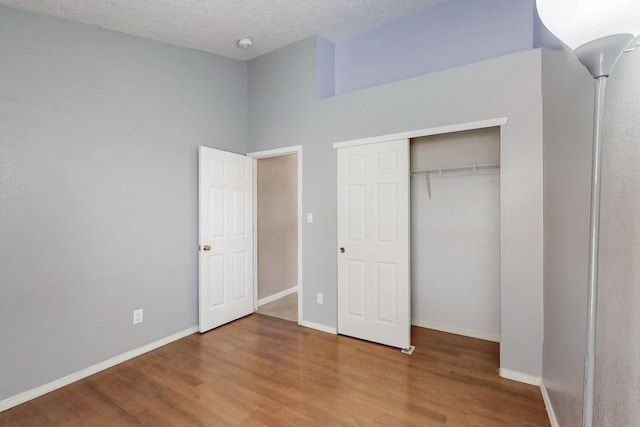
pixel 225 236
pixel 373 243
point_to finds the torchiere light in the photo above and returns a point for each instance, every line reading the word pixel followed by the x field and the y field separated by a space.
pixel 598 31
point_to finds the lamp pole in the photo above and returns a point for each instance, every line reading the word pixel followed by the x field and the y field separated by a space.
pixel 599 57
pixel 594 238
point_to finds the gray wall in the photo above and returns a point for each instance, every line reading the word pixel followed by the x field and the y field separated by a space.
pixel 283 112
pixel 568 116
pixel 618 345
pixel 98 189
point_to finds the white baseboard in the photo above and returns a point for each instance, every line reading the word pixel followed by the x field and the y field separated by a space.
pixel 319 327
pixel 519 376
pixel 547 403
pixel 83 373
pixel 281 294
pixel 458 331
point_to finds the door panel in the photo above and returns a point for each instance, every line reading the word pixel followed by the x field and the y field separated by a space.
pixel 386 285
pixel 225 226
pixel 355 285
pixel 373 229
pixel 386 212
pixel 355 212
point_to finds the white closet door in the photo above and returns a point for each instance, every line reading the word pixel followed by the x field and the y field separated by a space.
pixel 373 243
pixel 226 237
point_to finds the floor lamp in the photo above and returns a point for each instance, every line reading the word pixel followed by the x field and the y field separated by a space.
pixel 598 31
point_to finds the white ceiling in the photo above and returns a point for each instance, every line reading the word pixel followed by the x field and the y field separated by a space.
pixel 215 25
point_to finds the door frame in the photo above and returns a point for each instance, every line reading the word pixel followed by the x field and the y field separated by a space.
pixel 257 155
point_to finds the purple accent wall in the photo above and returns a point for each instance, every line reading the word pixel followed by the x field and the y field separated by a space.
pixel 455 33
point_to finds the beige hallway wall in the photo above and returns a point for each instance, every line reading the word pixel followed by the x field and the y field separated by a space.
pixel 277 224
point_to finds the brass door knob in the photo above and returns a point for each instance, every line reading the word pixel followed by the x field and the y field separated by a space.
pixel 206 247
pixel 341 250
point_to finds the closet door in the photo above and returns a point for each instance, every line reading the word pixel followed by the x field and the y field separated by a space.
pixel 373 243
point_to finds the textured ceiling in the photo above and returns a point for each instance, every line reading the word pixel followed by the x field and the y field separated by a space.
pixel 215 25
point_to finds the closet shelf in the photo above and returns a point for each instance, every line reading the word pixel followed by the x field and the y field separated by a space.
pixel 477 168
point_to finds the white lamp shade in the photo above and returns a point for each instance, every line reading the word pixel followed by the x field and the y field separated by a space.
pixel 576 22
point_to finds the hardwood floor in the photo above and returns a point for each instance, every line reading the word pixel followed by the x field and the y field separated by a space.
pixel 263 371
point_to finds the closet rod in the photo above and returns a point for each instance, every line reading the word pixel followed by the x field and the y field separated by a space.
pixel 460 169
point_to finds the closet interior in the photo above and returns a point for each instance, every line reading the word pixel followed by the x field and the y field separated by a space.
pixel 455 232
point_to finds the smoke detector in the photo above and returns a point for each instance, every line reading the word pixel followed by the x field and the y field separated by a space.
pixel 244 43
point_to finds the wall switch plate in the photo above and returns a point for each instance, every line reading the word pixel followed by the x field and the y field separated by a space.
pixel 137 316
pixel 319 298
pixel 309 217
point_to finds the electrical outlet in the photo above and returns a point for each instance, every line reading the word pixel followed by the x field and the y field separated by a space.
pixel 137 316
pixel 319 298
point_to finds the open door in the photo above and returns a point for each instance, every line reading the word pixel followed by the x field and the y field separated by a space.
pixel 373 243
pixel 225 237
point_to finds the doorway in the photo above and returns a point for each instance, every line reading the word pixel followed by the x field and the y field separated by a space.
pixel 278 234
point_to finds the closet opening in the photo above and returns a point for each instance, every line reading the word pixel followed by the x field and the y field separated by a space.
pixel 455 232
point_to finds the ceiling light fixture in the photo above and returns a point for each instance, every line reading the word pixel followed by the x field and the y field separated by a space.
pixel 598 31
pixel 245 43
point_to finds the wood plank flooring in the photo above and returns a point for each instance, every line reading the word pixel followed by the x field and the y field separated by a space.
pixel 263 371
